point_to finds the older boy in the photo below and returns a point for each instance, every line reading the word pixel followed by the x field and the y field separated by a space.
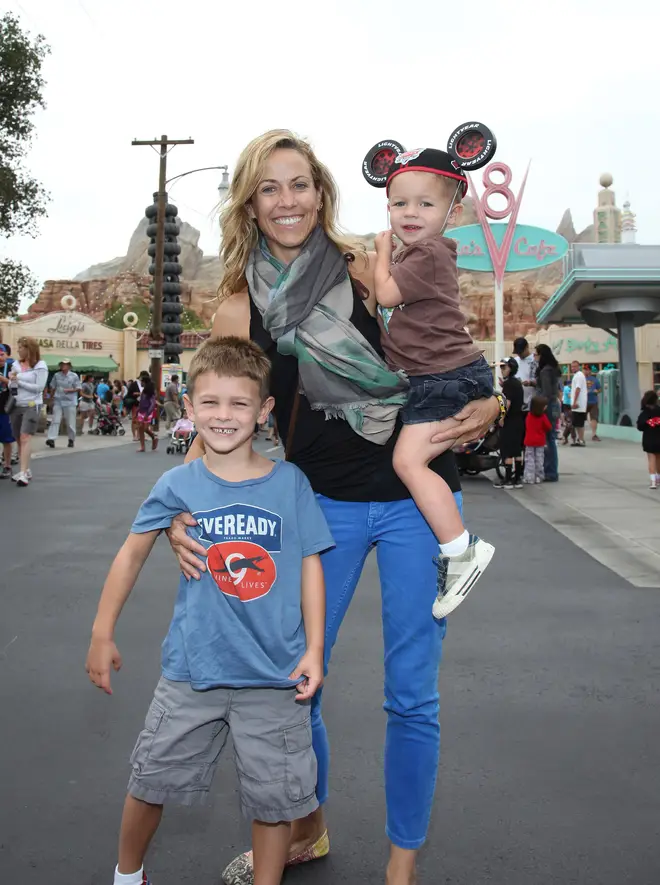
pixel 245 648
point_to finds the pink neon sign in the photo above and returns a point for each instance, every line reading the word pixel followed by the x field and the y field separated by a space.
pixel 499 255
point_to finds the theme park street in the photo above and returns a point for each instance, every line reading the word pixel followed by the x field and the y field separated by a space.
pixel 550 702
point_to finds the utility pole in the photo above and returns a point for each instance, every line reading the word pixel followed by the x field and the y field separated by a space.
pixel 156 317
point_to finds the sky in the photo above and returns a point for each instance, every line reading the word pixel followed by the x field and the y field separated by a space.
pixel 571 86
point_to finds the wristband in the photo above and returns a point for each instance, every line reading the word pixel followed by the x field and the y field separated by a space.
pixel 502 404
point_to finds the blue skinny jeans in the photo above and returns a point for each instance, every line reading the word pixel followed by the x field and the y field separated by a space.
pixel 405 547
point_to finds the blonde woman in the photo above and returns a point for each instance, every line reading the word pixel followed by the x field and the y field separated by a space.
pixel 283 255
pixel 27 380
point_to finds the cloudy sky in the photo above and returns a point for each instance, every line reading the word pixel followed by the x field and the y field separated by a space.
pixel 572 86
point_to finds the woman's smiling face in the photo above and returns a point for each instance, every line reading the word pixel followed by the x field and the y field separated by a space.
pixel 286 203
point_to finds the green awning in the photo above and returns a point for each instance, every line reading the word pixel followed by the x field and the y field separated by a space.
pixel 87 363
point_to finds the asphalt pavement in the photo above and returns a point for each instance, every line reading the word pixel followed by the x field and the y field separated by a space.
pixel 550 706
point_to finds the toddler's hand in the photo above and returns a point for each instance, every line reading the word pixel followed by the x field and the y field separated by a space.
pixel 383 243
pixel 103 653
pixel 311 667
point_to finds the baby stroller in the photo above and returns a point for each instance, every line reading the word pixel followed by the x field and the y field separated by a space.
pixel 481 455
pixel 108 422
pixel 181 437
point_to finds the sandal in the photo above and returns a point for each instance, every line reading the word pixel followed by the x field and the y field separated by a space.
pixel 240 870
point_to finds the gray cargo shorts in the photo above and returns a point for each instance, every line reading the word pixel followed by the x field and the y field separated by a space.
pixel 185 732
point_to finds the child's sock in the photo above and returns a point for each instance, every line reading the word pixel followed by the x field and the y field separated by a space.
pixel 129 878
pixel 451 548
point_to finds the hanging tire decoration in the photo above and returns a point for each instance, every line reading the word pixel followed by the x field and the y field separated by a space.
pixel 68 302
pixel 172 307
pixel 130 319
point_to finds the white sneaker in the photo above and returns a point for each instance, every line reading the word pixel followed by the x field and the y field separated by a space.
pixel 457 575
pixel 28 473
pixel 21 479
pixel 654 484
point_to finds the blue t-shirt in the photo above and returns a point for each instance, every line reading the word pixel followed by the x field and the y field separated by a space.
pixel 101 390
pixel 593 387
pixel 566 399
pixel 241 624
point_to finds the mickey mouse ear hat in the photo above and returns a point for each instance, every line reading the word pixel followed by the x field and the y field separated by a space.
pixel 471 146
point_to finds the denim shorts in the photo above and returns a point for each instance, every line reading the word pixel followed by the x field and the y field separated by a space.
pixel 436 397
pixel 185 731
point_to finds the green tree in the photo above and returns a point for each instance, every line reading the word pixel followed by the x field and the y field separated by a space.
pixel 22 198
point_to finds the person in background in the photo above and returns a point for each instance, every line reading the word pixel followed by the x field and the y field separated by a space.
pixel 101 389
pixel 579 403
pixel 86 403
pixel 567 421
pixel 526 373
pixel 593 389
pixel 548 386
pixel 513 426
pixel 65 385
pixel 131 403
pixel 537 428
pixel 648 423
pixel 27 380
pixel 6 436
pixel 117 399
pixel 146 411
pixel 172 402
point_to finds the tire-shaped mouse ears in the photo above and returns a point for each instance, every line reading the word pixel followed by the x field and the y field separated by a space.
pixel 379 163
pixel 471 146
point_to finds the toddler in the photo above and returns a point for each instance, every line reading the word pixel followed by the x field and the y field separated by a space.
pixel 423 333
pixel 537 427
pixel 649 424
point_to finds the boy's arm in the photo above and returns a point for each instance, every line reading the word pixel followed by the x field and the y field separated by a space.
pixel 313 610
pixel 387 291
pixel 117 588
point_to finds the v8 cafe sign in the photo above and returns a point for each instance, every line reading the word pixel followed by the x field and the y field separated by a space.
pixel 531 249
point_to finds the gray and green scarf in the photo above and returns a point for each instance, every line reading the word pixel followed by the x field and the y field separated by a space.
pixel 306 308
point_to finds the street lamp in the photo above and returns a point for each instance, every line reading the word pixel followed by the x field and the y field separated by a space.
pixel 222 187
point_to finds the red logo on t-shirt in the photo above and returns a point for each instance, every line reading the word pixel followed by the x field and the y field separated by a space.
pixel 242 569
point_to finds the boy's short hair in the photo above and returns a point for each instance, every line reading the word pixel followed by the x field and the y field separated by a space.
pixel 231 357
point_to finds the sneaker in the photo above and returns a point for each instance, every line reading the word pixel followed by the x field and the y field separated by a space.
pixel 538 480
pixel 654 484
pixel 14 459
pixel 457 575
pixel 518 484
pixel 21 479
pixel 5 473
pixel 503 485
pixel 50 443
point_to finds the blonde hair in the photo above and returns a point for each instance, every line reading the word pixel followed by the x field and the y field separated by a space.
pixel 239 231
pixel 32 347
pixel 230 357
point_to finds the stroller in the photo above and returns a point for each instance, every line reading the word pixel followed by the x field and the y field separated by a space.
pixel 108 422
pixel 181 437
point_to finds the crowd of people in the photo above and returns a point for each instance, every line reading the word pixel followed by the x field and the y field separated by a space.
pixel 31 398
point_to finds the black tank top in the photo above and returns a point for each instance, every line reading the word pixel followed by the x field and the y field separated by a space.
pixel 338 462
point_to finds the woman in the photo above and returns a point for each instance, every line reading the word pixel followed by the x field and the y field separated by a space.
pixel 512 433
pixel 131 401
pixel 282 205
pixel 548 384
pixel 146 412
pixel 27 380
pixel 86 405
pixel 117 398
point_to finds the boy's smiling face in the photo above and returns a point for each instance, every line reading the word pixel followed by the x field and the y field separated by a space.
pixel 419 204
pixel 225 411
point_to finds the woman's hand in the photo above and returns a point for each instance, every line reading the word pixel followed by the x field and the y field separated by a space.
pixel 185 548
pixel 475 420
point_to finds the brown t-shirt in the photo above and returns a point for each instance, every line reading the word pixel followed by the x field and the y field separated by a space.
pixel 427 335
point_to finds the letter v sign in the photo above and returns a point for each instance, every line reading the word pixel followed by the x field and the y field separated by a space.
pixel 499 255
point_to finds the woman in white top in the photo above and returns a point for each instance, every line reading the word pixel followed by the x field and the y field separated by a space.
pixel 27 380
